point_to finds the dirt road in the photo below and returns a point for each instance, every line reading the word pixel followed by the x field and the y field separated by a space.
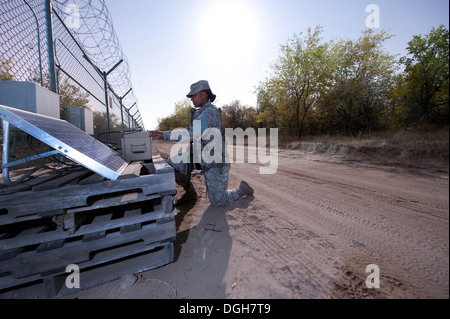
pixel 310 231
pixel 314 226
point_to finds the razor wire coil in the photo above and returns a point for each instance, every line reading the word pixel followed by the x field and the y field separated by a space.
pixel 82 50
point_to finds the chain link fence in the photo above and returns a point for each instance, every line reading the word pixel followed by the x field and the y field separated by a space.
pixel 91 69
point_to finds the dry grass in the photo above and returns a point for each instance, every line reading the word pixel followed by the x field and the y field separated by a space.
pixel 417 149
pixel 404 140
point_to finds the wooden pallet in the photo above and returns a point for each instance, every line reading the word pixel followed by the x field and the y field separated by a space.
pixel 93 276
pixel 49 197
pixel 64 217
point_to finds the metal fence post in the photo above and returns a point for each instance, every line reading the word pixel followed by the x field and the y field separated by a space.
pixel 121 110
pixel 105 77
pixel 131 123
pixel 108 124
pixel 50 49
pixel 38 40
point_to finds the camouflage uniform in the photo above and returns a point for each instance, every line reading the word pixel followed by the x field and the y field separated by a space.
pixel 215 174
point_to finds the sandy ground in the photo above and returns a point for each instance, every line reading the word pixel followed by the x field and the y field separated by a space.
pixel 309 231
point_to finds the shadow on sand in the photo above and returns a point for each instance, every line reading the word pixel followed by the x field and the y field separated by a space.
pixel 205 248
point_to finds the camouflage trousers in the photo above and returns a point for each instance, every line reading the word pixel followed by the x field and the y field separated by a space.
pixel 216 181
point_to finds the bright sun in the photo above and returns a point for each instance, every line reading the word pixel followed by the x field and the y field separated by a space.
pixel 228 35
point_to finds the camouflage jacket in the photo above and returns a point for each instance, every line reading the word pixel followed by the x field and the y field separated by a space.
pixel 206 117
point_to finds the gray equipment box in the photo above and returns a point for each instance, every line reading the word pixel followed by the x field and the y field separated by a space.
pixel 29 97
pixel 137 146
pixel 81 118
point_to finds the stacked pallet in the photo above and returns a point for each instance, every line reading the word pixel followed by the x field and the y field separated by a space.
pixel 69 216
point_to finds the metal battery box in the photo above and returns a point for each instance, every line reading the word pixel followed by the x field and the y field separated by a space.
pixel 137 146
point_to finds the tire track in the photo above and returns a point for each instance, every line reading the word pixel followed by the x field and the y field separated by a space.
pixel 282 247
pixel 315 225
pixel 384 235
pixel 408 201
pixel 362 212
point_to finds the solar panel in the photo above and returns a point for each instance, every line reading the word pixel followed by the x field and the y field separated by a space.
pixel 68 140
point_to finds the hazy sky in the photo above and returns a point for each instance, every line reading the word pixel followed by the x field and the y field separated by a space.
pixel 232 43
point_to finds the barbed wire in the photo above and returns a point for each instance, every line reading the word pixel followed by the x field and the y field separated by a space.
pixel 85 42
pixel 95 31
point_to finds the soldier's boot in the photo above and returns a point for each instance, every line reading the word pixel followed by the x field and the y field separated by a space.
pixel 189 195
pixel 245 189
pixel 189 191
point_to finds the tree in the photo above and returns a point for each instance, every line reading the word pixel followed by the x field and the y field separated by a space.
pixel 101 130
pixel 70 95
pixel 5 70
pixel 424 88
pixel 358 94
pixel 300 74
pixel 250 117
pixel 267 110
pixel 235 115
pixel 180 118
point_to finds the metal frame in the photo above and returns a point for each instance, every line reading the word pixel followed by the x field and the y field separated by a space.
pixel 9 118
pixel 5 153
pixel 28 159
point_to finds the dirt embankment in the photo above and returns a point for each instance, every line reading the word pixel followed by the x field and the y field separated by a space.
pixel 384 155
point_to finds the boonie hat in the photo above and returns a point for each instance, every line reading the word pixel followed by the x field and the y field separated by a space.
pixel 198 87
